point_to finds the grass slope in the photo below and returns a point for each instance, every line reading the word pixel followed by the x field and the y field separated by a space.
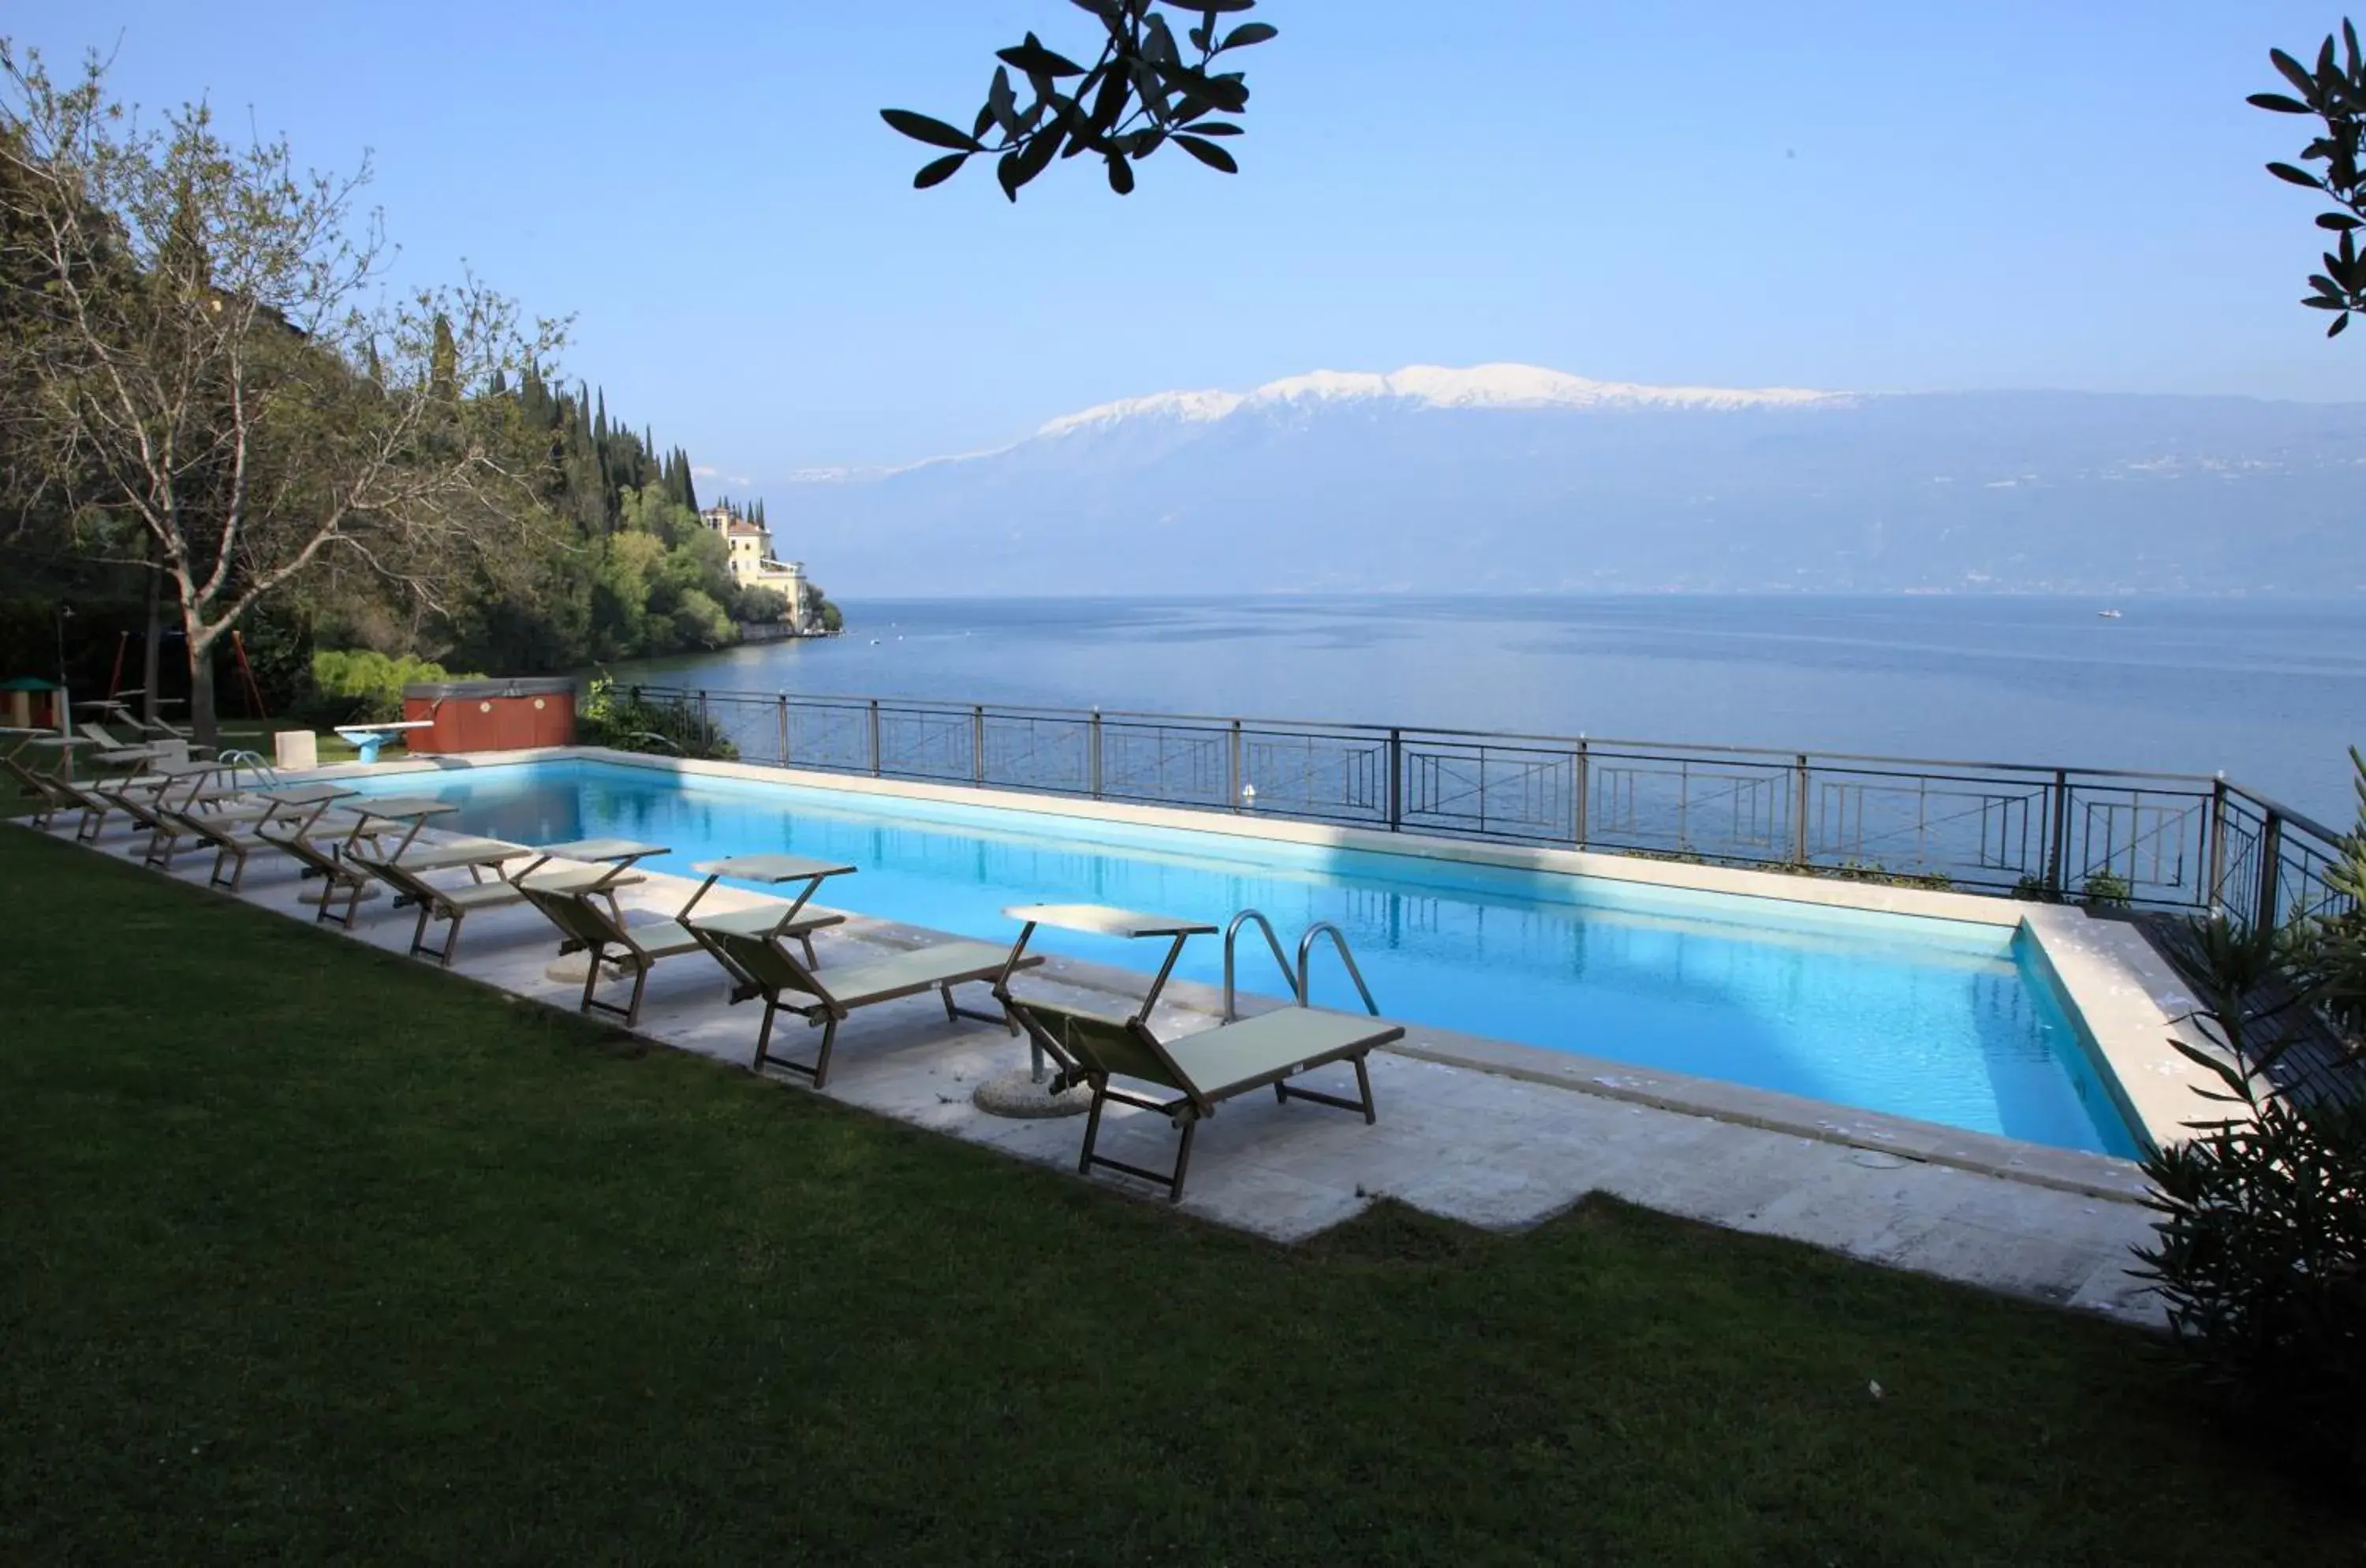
pixel 310 1253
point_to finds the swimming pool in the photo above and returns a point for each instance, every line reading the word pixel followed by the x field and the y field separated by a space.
pixel 1944 1021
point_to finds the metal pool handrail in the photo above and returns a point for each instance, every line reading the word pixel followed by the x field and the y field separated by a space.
pixel 1339 940
pixel 1272 941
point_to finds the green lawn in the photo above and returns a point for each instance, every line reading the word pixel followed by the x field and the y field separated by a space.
pixel 308 1252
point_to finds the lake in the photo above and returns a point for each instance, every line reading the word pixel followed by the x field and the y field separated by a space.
pixel 2271 692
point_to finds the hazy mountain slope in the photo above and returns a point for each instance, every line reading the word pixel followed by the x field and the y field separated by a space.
pixel 1511 477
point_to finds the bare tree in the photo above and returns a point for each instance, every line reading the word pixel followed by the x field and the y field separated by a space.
pixel 210 378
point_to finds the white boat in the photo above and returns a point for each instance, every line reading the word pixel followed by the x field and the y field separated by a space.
pixel 2109 614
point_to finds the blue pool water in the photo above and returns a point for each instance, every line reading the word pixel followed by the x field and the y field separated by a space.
pixel 1944 1021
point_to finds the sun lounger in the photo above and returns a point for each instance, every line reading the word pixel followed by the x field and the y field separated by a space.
pixel 1189 1077
pixel 234 827
pixel 157 732
pixel 100 736
pixel 229 830
pixel 607 940
pixel 136 796
pixel 57 786
pixel 408 874
pixel 147 799
pixel 573 902
pixel 113 750
pixel 572 899
pixel 316 845
pixel 789 983
pixel 49 795
pixel 1186 1078
pixel 790 918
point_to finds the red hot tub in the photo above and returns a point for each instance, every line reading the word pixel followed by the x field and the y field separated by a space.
pixel 490 715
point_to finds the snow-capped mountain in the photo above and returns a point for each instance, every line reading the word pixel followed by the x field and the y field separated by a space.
pixel 1434 386
pixel 1514 478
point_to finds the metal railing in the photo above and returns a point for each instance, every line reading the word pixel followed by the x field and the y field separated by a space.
pixel 2156 840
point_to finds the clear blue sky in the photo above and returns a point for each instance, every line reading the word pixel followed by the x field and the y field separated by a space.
pixel 1982 193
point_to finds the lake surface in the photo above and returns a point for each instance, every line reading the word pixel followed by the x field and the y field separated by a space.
pixel 2271 692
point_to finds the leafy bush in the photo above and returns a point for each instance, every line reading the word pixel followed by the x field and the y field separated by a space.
pixel 759 604
pixel 819 613
pixel 2106 890
pixel 628 721
pixel 2262 1263
pixel 2339 954
pixel 356 686
pixel 2261 1256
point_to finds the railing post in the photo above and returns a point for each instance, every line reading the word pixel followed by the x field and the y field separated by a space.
pixel 2217 873
pixel 702 716
pixel 874 737
pixel 1396 779
pixel 2057 853
pixel 1233 770
pixel 1799 810
pixel 2271 854
pixel 1581 791
pixel 1093 754
pixel 977 744
pixel 784 730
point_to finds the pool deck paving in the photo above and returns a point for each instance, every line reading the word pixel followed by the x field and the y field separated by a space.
pixel 1500 1149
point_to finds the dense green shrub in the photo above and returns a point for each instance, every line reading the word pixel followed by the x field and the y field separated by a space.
pixel 759 604
pixel 2339 953
pixel 2106 890
pixel 357 687
pixel 2262 1262
pixel 2261 1255
pixel 819 613
pixel 629 722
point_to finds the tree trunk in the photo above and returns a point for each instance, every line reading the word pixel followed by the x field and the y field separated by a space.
pixel 201 691
pixel 151 666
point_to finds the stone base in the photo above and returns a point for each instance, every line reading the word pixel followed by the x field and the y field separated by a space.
pixel 1018 1094
pixel 568 971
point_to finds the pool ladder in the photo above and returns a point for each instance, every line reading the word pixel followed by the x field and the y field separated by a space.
pixel 1296 979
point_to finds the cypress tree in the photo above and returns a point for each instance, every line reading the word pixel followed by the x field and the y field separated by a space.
pixel 443 361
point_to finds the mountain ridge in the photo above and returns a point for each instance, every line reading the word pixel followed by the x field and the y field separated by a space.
pixel 1502 385
pixel 1504 474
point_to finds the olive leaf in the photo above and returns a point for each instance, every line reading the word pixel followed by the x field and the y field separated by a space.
pixel 2334 90
pixel 1143 89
